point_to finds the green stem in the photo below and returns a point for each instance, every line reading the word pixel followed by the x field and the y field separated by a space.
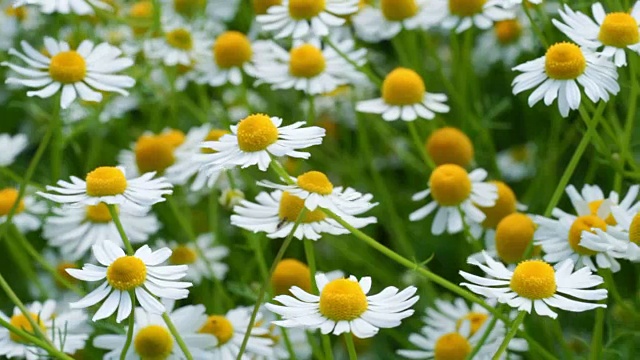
pixel 259 255
pixel 351 348
pixel 116 220
pixel 311 262
pixel 326 347
pixel 534 25
pixel 132 320
pixel 311 117
pixel 596 337
pixel 281 172
pixel 176 335
pixel 57 145
pixel 35 341
pixel 420 146
pixel 484 338
pixel 373 77
pixel 631 113
pixel 512 332
pixel 288 344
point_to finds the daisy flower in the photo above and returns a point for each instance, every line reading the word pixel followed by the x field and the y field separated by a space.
pixel 506 204
pixel 153 340
pixel 65 329
pixel 289 273
pixel 11 146
pixel 305 18
pixel 78 7
pixel 74 230
pixel 232 54
pixel 229 331
pixel 343 306
pixel 82 72
pixel 123 273
pixel 308 66
pixel 204 258
pixel 536 284
pixel 455 192
pixel 109 185
pixel 449 145
pixel 591 201
pixel 404 96
pixel 181 45
pixel 517 162
pixel 556 75
pixel 504 43
pixel 141 13
pixel 277 212
pixel 620 241
pixel 374 25
pixel 255 140
pixel 260 7
pixel 510 240
pixel 14 19
pixel 462 15
pixel 613 32
pixel 28 213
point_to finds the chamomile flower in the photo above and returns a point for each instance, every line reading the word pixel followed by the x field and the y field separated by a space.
pixel 404 96
pixel 231 57
pixel 455 192
pixel 277 212
pixel 510 240
pixel 260 7
pixel 180 45
pixel 504 43
pixel 534 284
pixel 505 204
pixel 613 32
pixel 343 306
pixel 123 273
pixel 556 75
pixel 152 339
pixel 109 185
pixel 308 66
pixel 305 18
pixel 289 273
pixel 13 19
pixel 28 213
pixel 449 145
pixel 229 331
pixel 83 72
pixel 78 7
pixel 66 330
pixel 74 230
pixel 377 24
pixel 204 258
pixel 11 147
pixel 141 13
pixel 592 201
pixel 461 15
pixel 517 162
pixel 255 140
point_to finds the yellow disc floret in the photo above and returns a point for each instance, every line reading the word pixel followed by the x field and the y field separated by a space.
pixel 580 224
pixel 21 322
pixel 153 342
pixel 315 182
pixel 8 198
pixel 464 8
pixel 61 269
pixel 507 31
pixel 452 346
pixel 18 12
pixel 98 213
pixel 232 49
pixel 450 185
pixel 256 132
pixel 260 6
pixel 305 9
pixel 306 61
pixel 398 10
pixel 68 67
pixel 153 153
pixel 219 327
pixel 634 230
pixel 534 279
pixel 403 86
pixel 142 15
pixel 475 319
pixel 189 7
pixel 514 233
pixel 180 39
pixel 106 181
pixel 173 137
pixel 594 206
pixel 505 205
pixel 213 135
pixel 449 145
pixel 619 29
pixel 183 255
pixel 564 61
pixel 126 273
pixel 290 207
pixel 343 299
pixel 288 273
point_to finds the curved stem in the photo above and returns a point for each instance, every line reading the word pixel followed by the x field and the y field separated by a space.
pixel 419 146
pixel 35 341
pixel 132 320
pixel 311 262
pixel 116 220
pixel 512 332
pixel 176 335
pixel 351 348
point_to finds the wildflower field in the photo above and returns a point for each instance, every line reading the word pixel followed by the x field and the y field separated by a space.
pixel 319 179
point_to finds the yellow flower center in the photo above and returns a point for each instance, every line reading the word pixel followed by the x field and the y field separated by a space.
pixel 213 135
pixel 180 39
pixel 183 255
pixel 584 223
pixel 519 153
pixel 232 48
pixel 154 153
pixel 290 207
pixel 452 346
pixel 288 273
pixel 564 61
pixel 464 8
pixel 173 137
pixel 153 342
pixel 514 233
pixel 21 322
pixel 507 31
pixel 476 320
pixel 61 269
pixel 450 185
pixel 450 146
pixel 305 9
pixel 594 206
pixel 343 299
pixel 619 29
pixel 106 181
pixel 260 6
pixel 67 67
pixel 126 273
pixel 219 327
pixel 398 10
pixel 505 205
pixel 19 12
pixel 315 182
pixel 403 87
pixel 8 198
pixel 189 7
pixel 306 61
pixel 534 279
pixel 98 213
pixel 142 15
pixel 256 132
pixel 634 230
